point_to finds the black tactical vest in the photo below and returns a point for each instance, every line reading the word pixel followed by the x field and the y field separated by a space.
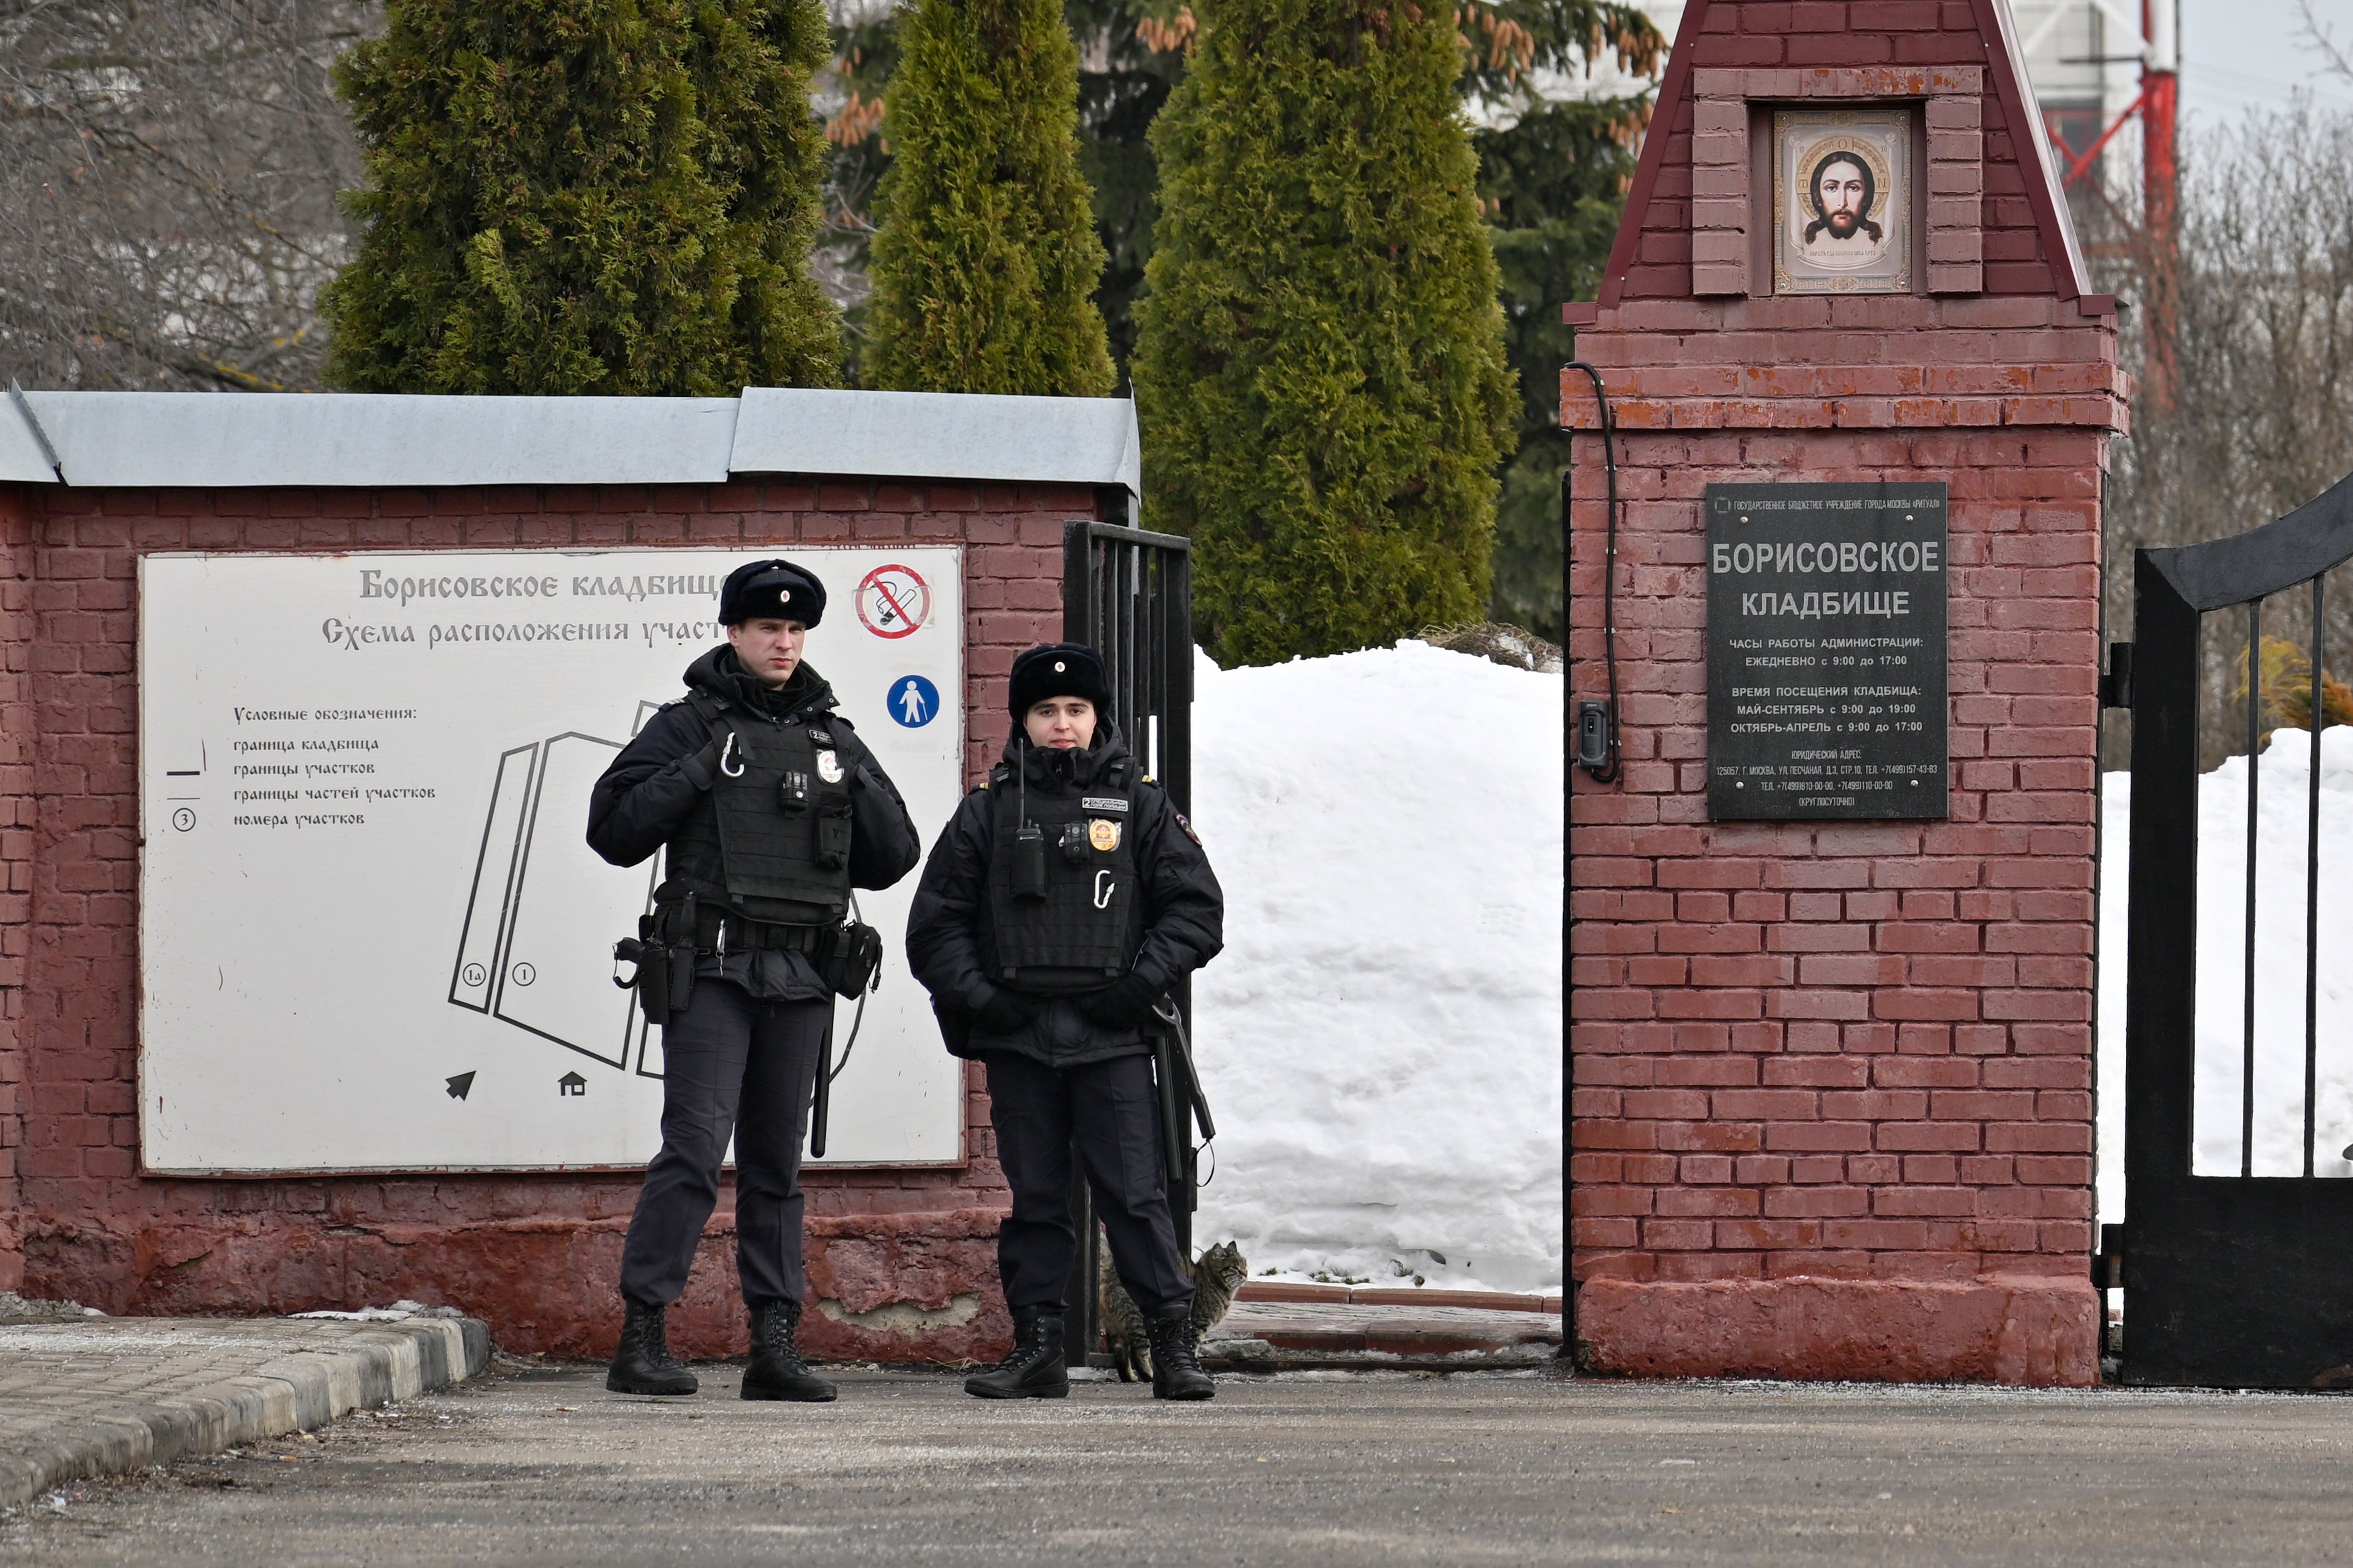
pixel 1062 880
pixel 775 830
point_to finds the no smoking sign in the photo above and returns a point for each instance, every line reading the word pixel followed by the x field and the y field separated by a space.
pixel 895 600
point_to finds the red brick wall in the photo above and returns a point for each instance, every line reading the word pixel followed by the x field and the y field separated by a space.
pixel 15 856
pixel 902 1262
pixel 1833 1081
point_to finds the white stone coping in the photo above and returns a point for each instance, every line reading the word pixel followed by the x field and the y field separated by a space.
pixel 368 440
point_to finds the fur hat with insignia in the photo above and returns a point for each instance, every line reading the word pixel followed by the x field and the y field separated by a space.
pixel 1058 670
pixel 771 590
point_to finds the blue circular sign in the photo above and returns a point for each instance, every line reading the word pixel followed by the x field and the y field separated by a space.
pixel 913 701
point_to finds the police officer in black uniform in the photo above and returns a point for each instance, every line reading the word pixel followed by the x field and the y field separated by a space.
pixel 1064 899
pixel 771 810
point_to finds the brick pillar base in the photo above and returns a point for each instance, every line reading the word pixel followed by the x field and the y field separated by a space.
pixel 1996 1328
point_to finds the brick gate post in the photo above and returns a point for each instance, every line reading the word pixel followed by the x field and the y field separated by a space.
pixel 1833 1080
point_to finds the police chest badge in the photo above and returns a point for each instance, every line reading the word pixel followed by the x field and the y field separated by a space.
pixel 828 767
pixel 1103 835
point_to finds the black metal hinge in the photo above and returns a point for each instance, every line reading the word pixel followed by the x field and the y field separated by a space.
pixel 2115 686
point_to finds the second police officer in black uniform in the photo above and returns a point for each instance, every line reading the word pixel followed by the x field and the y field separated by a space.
pixel 771 810
pixel 1058 908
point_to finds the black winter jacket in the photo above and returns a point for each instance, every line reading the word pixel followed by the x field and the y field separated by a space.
pixel 663 776
pixel 1184 910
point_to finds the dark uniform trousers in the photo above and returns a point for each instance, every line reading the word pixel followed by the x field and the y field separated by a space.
pixel 1113 1112
pixel 730 1064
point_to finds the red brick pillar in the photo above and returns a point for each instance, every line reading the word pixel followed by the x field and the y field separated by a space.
pixel 1833 1080
pixel 17 818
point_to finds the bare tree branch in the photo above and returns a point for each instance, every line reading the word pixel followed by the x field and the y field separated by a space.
pixel 168 189
pixel 2241 344
pixel 2338 58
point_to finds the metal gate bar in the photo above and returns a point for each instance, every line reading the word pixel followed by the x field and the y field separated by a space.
pixel 2254 747
pixel 2314 719
pixel 2234 1280
pixel 2257 704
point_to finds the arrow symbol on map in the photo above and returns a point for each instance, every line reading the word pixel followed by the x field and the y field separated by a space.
pixel 460 1084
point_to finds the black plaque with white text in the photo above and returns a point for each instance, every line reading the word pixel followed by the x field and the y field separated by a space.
pixel 1826 651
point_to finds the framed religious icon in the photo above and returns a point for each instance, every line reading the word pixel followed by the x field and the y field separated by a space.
pixel 1842 201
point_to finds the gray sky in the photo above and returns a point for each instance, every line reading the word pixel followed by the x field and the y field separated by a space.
pixel 2238 54
pixel 2235 54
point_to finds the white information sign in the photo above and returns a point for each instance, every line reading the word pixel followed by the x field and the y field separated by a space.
pixel 372 936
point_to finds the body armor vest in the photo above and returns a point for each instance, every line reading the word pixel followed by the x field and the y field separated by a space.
pixel 1062 880
pixel 775 831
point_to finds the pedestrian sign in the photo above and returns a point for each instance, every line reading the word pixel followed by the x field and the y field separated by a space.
pixel 913 701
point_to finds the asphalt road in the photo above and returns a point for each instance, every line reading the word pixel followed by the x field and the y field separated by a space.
pixel 542 1466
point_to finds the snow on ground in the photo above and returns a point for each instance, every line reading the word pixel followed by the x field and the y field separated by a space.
pixel 1380 1038
pixel 2281 860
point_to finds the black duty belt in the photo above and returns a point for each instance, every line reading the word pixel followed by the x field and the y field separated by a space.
pixel 716 931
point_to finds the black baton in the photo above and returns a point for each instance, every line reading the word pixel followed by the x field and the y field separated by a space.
pixel 1172 1111
pixel 820 1102
pixel 1200 1100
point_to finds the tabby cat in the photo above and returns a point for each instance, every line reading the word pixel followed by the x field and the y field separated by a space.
pixel 1215 1274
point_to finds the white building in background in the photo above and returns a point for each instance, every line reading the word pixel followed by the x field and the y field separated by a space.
pixel 2107 72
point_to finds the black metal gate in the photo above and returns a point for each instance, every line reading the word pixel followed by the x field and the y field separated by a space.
pixel 2242 1280
pixel 1129 595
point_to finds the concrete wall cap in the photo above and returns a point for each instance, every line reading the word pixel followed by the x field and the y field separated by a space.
pixel 939 435
pixel 368 440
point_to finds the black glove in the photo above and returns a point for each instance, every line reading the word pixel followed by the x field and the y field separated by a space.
pixel 1004 1012
pixel 1126 1003
pixel 702 769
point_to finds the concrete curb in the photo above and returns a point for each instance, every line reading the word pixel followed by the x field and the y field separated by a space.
pixel 1294 1292
pixel 1324 1334
pixel 1249 1353
pixel 386 1361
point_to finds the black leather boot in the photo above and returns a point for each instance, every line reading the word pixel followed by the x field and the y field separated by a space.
pixel 1035 1369
pixel 643 1364
pixel 777 1370
pixel 1175 1360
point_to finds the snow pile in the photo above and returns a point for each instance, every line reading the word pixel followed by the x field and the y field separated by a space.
pixel 399 1312
pixel 1381 1038
pixel 2281 859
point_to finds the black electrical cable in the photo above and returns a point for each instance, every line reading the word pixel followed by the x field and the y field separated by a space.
pixel 1603 774
pixel 1608 770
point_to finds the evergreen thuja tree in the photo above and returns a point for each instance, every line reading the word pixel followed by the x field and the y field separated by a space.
pixel 1320 363
pixel 1554 175
pixel 573 196
pixel 1128 59
pixel 985 256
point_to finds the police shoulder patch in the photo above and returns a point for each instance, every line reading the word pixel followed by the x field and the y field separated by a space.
pixel 1185 825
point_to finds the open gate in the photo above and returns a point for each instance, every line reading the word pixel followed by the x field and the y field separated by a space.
pixel 2243 1279
pixel 1129 595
